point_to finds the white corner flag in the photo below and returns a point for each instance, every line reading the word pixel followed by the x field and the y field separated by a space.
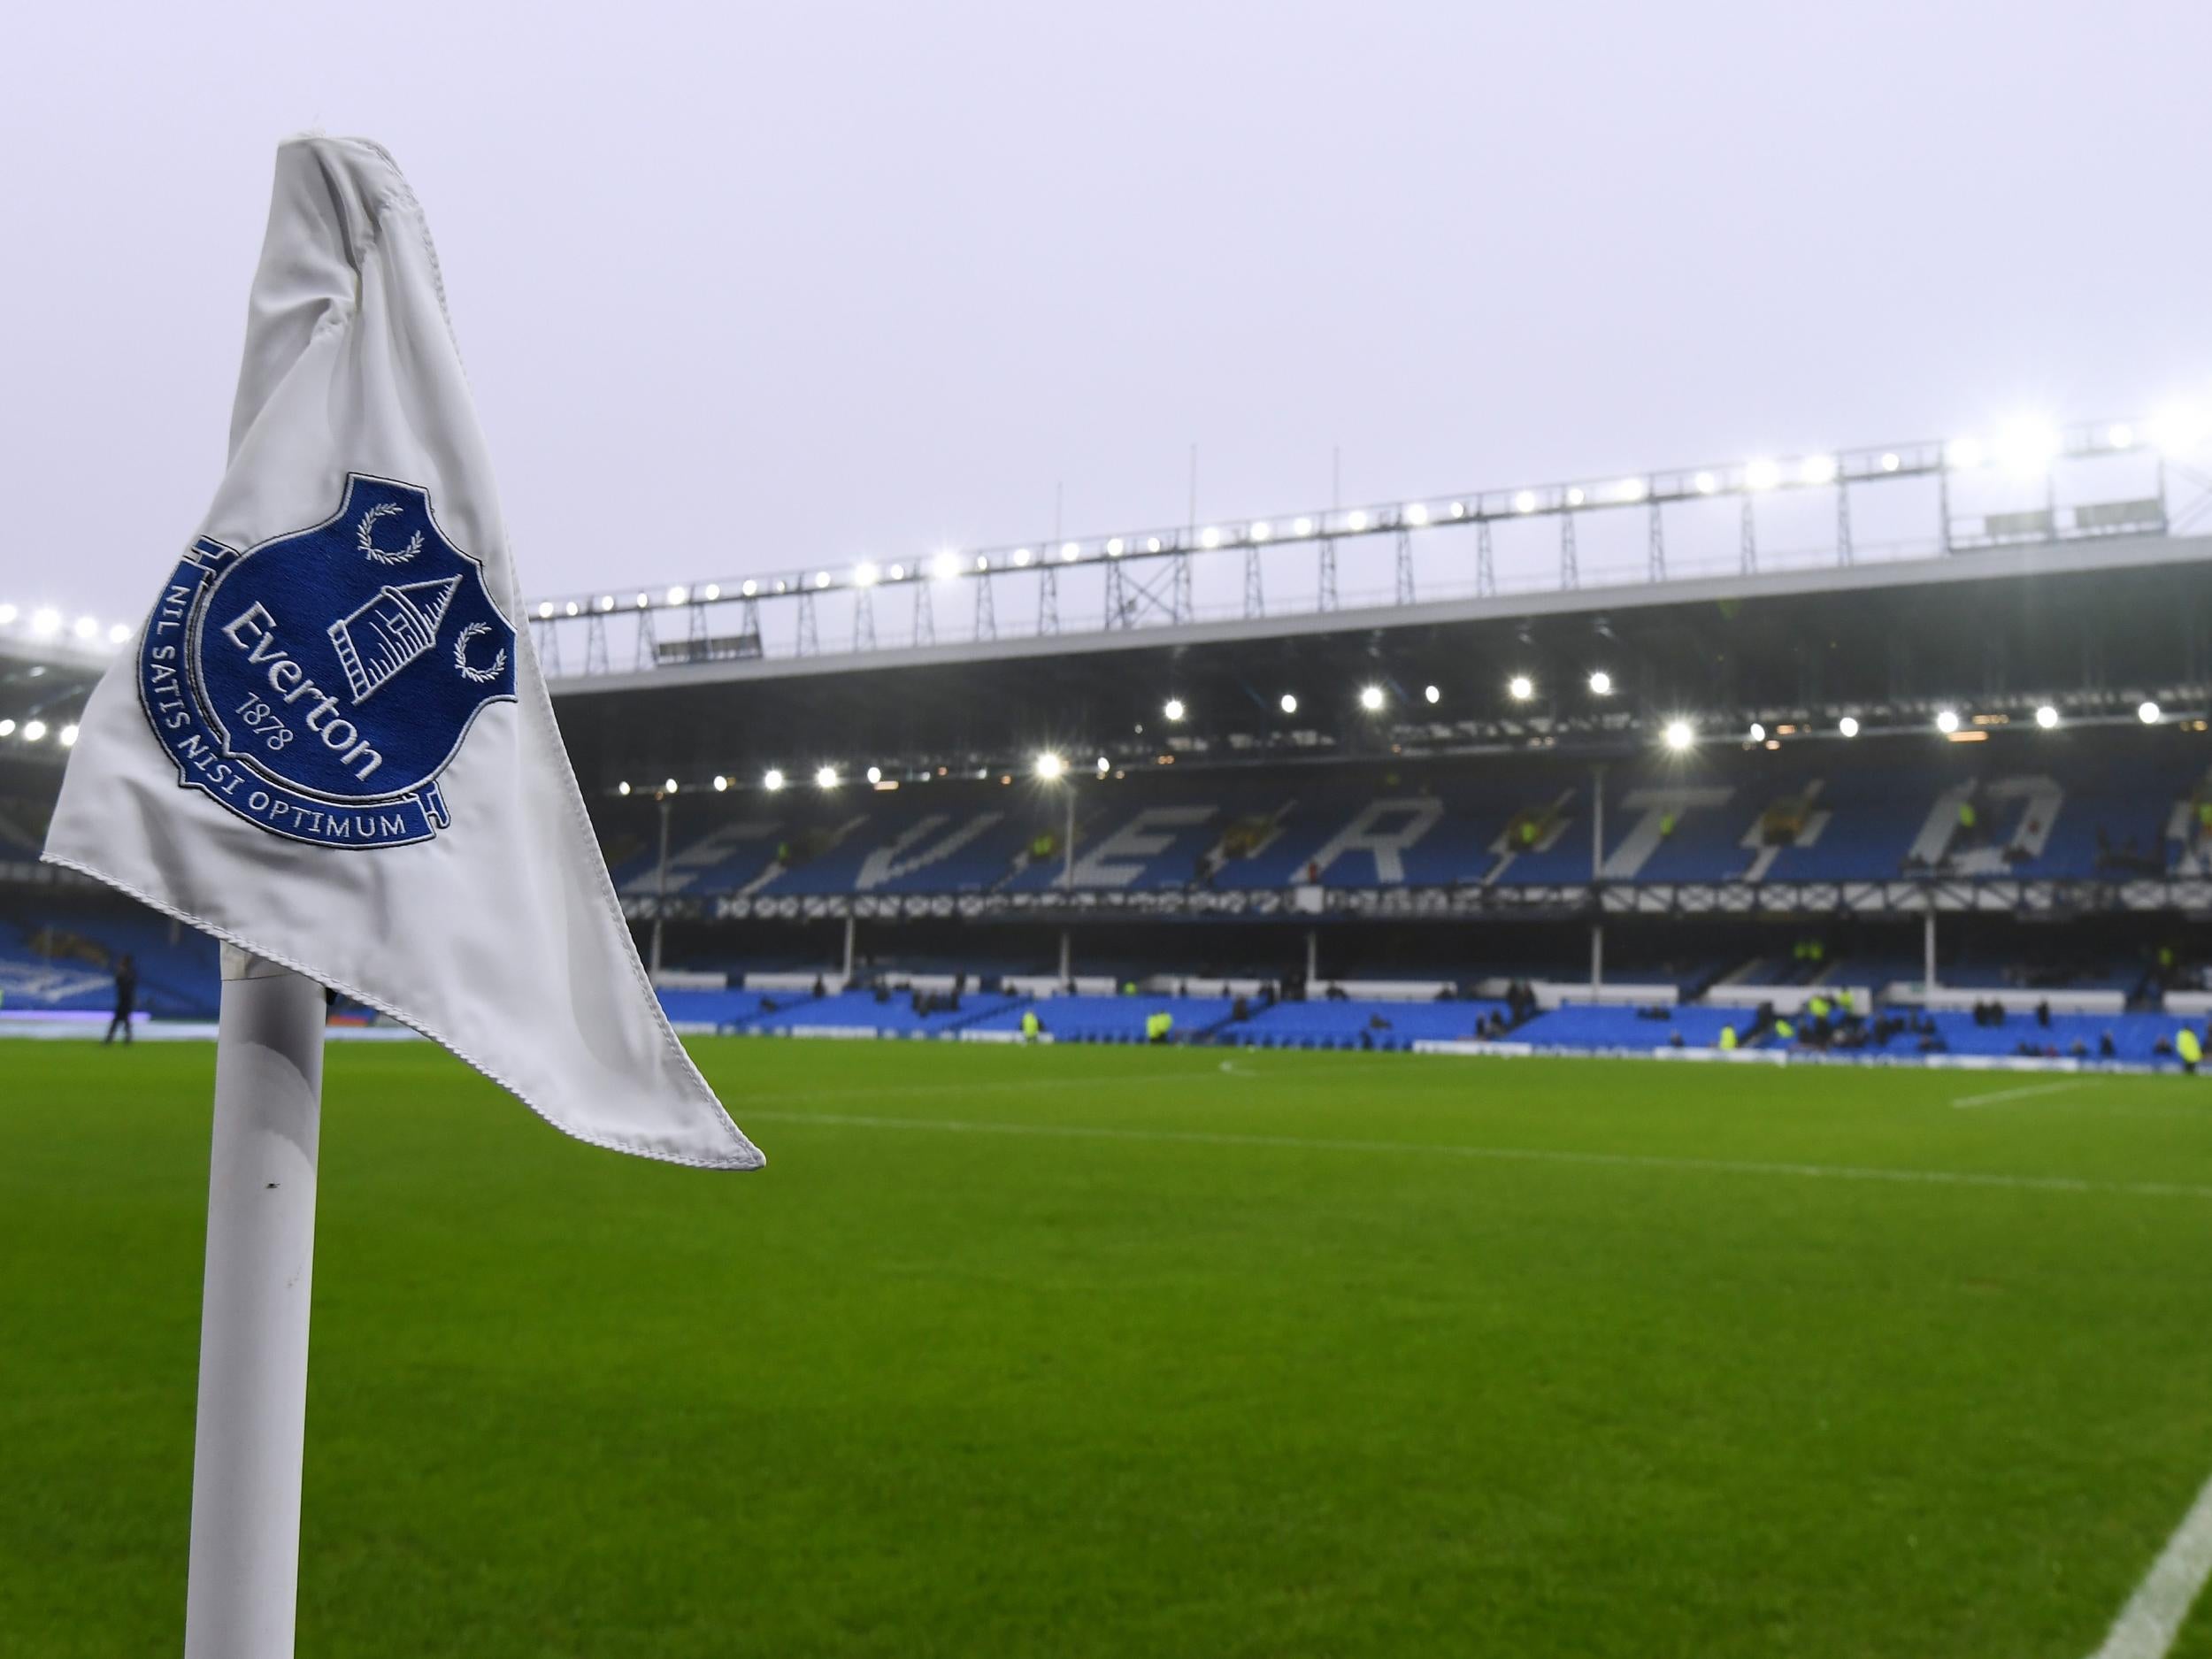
pixel 331 745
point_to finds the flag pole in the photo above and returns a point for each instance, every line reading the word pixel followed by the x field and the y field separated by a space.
pixel 243 1592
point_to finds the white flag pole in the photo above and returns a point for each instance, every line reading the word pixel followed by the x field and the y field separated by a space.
pixel 244 1589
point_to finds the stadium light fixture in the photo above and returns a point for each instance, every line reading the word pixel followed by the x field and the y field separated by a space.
pixel 2027 447
pixel 668 785
pixel 826 777
pixel 982 562
pixel 2120 436
pixel 865 575
pixel 1706 483
pixel 572 607
pixel 677 594
pixel 643 600
pixel 2178 429
pixel 1679 735
pixel 898 573
pixel 1758 733
pixel 623 787
pixel 7 728
pixel 1288 702
pixel 1849 726
pixel 1370 698
pixel 1601 683
pixel 1415 513
pixel 7 615
pixel 34 730
pixel 1575 496
pixel 772 779
pixel 2047 716
pixel 545 608
pixel 712 591
pixel 1962 453
pixel 875 774
pixel 1521 687
pixel 1890 463
pixel 1174 709
pixel 68 735
pixel 1355 519
pixel 1262 530
pixel 1946 721
pixel 945 566
pixel 1104 765
pixel 1818 469
pixel 118 633
pixel 1761 475
pixel 1152 544
pixel 821 579
pixel 721 782
pixel 1303 526
pixel 1209 537
pixel 1021 558
pixel 1049 765
pixel 2146 711
pixel 1632 489
pixel 45 621
pixel 1432 694
pixel 606 601
pixel 749 589
pixel 87 627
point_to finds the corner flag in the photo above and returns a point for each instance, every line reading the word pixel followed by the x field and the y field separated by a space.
pixel 331 745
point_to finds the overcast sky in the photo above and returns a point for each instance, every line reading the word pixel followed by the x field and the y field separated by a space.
pixel 745 287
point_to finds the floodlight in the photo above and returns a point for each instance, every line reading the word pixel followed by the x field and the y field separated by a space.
pixel 1070 550
pixel 1946 721
pixel 1415 513
pixel 1890 463
pixel 982 563
pixel 1849 726
pixel 118 633
pixel 643 601
pixel 669 786
pixel 1962 452
pixel 1818 469
pixel 2146 711
pixel 69 736
pixel 677 595
pixel 750 587
pixel 945 566
pixel 1459 510
pixel 826 777
pixel 1758 732
pixel 606 601
pixel 623 787
pixel 87 627
pixel 772 779
pixel 545 607
pixel 865 575
pixel 1288 702
pixel 1356 519
pixel 1050 767
pixel 2047 716
pixel 1521 687
pixel 713 590
pixel 1261 531
pixel 1679 735
pixel 1601 683
pixel 7 728
pixel 2029 445
pixel 1761 475
pixel 720 783
pixel 822 579
pixel 875 774
pixel 7 615
pixel 1021 555
pixel 1104 765
pixel 1370 698
pixel 1152 544
pixel 572 607
pixel 1706 483
pixel 1304 527
pixel 45 621
pixel 34 730
pixel 2121 435
pixel 898 572
pixel 1432 694
pixel 1574 495
pixel 1209 537
pixel 1174 709
pixel 1632 489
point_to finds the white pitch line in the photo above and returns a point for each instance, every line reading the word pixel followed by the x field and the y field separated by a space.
pixel 2153 1617
pixel 2023 1093
pixel 1508 1154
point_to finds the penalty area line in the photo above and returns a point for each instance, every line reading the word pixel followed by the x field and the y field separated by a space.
pixel 1501 1154
pixel 2025 1091
pixel 2148 1625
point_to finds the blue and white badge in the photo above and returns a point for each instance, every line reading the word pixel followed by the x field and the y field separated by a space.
pixel 316 685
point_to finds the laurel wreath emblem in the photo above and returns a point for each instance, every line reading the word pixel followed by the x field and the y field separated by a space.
pixel 365 534
pixel 479 676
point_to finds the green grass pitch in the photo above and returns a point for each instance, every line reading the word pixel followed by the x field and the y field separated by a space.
pixel 1097 1351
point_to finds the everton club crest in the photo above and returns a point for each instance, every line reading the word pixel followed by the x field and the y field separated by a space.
pixel 316 685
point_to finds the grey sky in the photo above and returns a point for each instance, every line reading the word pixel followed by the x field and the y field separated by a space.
pixel 743 288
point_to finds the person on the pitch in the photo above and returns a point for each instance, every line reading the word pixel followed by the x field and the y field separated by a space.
pixel 126 998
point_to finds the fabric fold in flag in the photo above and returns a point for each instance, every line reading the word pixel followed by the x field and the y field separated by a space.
pixel 331 744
